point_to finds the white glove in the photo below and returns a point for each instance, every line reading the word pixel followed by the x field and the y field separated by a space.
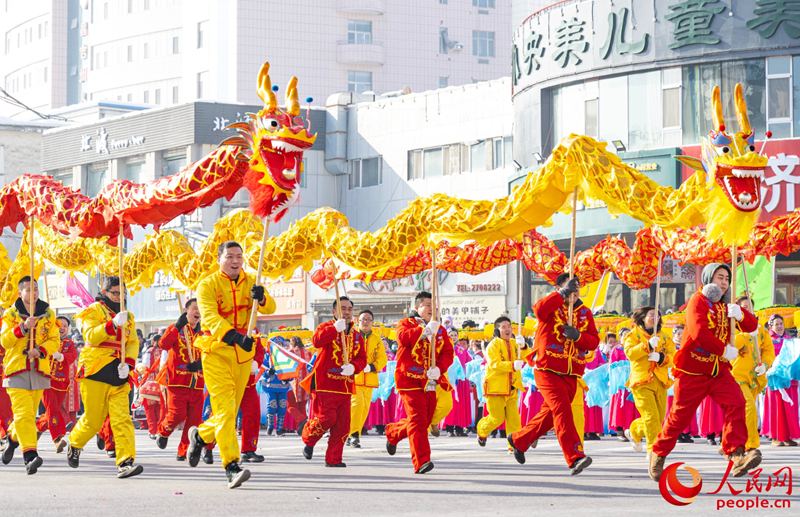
pixel 754 334
pixel 520 341
pixel 519 364
pixel 254 367
pixel 735 312
pixel 654 356
pixel 730 353
pixel 58 356
pixel 761 369
pixel 123 369
pixel 348 369
pixel 432 328
pixel 120 319
pixel 653 342
pixel 340 325
pixel 434 373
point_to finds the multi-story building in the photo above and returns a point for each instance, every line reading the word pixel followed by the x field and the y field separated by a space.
pixel 166 52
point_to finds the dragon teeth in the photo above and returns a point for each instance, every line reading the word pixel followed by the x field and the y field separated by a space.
pixel 286 147
pixel 748 173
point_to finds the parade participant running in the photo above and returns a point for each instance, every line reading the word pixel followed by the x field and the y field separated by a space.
pixel 27 367
pixel 650 351
pixel 54 417
pixel 560 359
pixel 750 372
pixel 331 383
pixel 183 377
pixel 367 380
pixel 225 299
pixel 702 368
pixel 413 371
pixel 103 376
pixel 503 380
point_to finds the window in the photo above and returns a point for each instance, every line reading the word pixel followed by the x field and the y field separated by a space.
pixel 64 176
pixel 366 172
pixel 146 50
pixel 45 74
pixel 483 3
pixel 359 33
pixel 201 32
pixel 779 96
pixel 483 44
pixel 130 53
pixel 134 169
pixel 174 161
pixel 671 106
pixel 443 82
pixel 501 156
pixel 105 11
pixel 175 95
pixel 97 178
pixel 130 97
pixel 304 175
pixel 443 2
pixel 130 6
pixel 146 5
pixel 359 82
pixel 158 96
pixel 644 111
pixel 175 44
pixel 477 157
pixel 146 99
pixel 202 79
pixel 590 89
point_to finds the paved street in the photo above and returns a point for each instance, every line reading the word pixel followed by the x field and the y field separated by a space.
pixel 467 480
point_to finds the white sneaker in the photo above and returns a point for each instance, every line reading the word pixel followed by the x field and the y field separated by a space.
pixel 637 446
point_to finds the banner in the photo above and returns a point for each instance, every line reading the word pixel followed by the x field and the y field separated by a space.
pixel 760 279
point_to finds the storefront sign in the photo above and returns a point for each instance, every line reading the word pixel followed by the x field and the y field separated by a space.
pixel 102 144
pixel 290 295
pixel 482 288
pixel 475 308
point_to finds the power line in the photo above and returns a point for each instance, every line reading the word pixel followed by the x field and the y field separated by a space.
pixel 10 99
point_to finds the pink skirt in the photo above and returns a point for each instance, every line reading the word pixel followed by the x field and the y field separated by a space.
pixel 692 429
pixel 593 419
pixel 621 411
pixel 780 419
pixel 382 413
pixel 461 415
pixel 711 418
pixel 535 401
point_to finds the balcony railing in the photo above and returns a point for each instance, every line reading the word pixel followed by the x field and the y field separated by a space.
pixel 359 54
pixel 361 6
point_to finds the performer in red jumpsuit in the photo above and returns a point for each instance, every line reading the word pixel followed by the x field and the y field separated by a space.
pixel 417 379
pixel 702 368
pixel 55 418
pixel 560 358
pixel 331 383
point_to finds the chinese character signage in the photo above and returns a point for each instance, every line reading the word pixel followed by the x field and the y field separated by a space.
pixel 475 308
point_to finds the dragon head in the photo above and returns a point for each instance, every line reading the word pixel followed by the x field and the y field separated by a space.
pixel 272 141
pixel 731 161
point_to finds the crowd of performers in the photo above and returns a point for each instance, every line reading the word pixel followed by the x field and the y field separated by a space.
pixel 211 375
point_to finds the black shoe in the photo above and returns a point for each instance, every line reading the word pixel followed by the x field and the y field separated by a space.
pixel 481 441
pixel 127 469
pixel 621 437
pixel 451 434
pixel 347 442
pixel 111 453
pixel 3 443
pixel 196 445
pixel 580 464
pixel 710 440
pixel 236 475
pixel 8 454
pixel 32 466
pixel 493 434
pixel 592 436
pixel 336 466
pixel 252 457
pixel 101 444
pixel 425 468
pixel 161 441
pixel 685 438
pixel 153 436
pixel 308 452
pixel 280 432
pixel 73 456
pixel 208 457
pixel 355 443
pixel 301 426
pixel 518 454
pixel 391 448
pixel 269 431
pixel 180 458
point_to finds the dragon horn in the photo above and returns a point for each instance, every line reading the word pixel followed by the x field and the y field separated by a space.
pixel 292 101
pixel 741 110
pixel 265 89
pixel 716 110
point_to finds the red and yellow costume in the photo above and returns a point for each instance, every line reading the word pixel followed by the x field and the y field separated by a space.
pixel 15 341
pixel 559 364
pixel 6 413
pixel 55 418
pixel 225 305
pixel 413 362
pixel 330 390
pixel 700 371
pixel 366 382
pixel 501 385
pixel 251 404
pixel 649 382
pixel 184 388
pixel 153 409
pixel 751 384
pixel 104 394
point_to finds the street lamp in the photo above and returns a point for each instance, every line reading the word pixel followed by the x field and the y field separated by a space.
pixel 619 146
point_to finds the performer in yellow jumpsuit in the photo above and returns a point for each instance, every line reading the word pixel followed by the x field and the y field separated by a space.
pixel 650 351
pixel 225 299
pixel 503 378
pixel 103 376
pixel 750 374
pixel 367 380
pixel 27 369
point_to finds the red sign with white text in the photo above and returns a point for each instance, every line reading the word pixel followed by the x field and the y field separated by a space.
pixel 781 178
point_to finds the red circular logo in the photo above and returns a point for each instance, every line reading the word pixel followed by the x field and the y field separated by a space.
pixel 668 484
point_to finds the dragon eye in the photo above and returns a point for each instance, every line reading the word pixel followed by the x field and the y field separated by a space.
pixel 751 148
pixel 726 150
pixel 272 124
